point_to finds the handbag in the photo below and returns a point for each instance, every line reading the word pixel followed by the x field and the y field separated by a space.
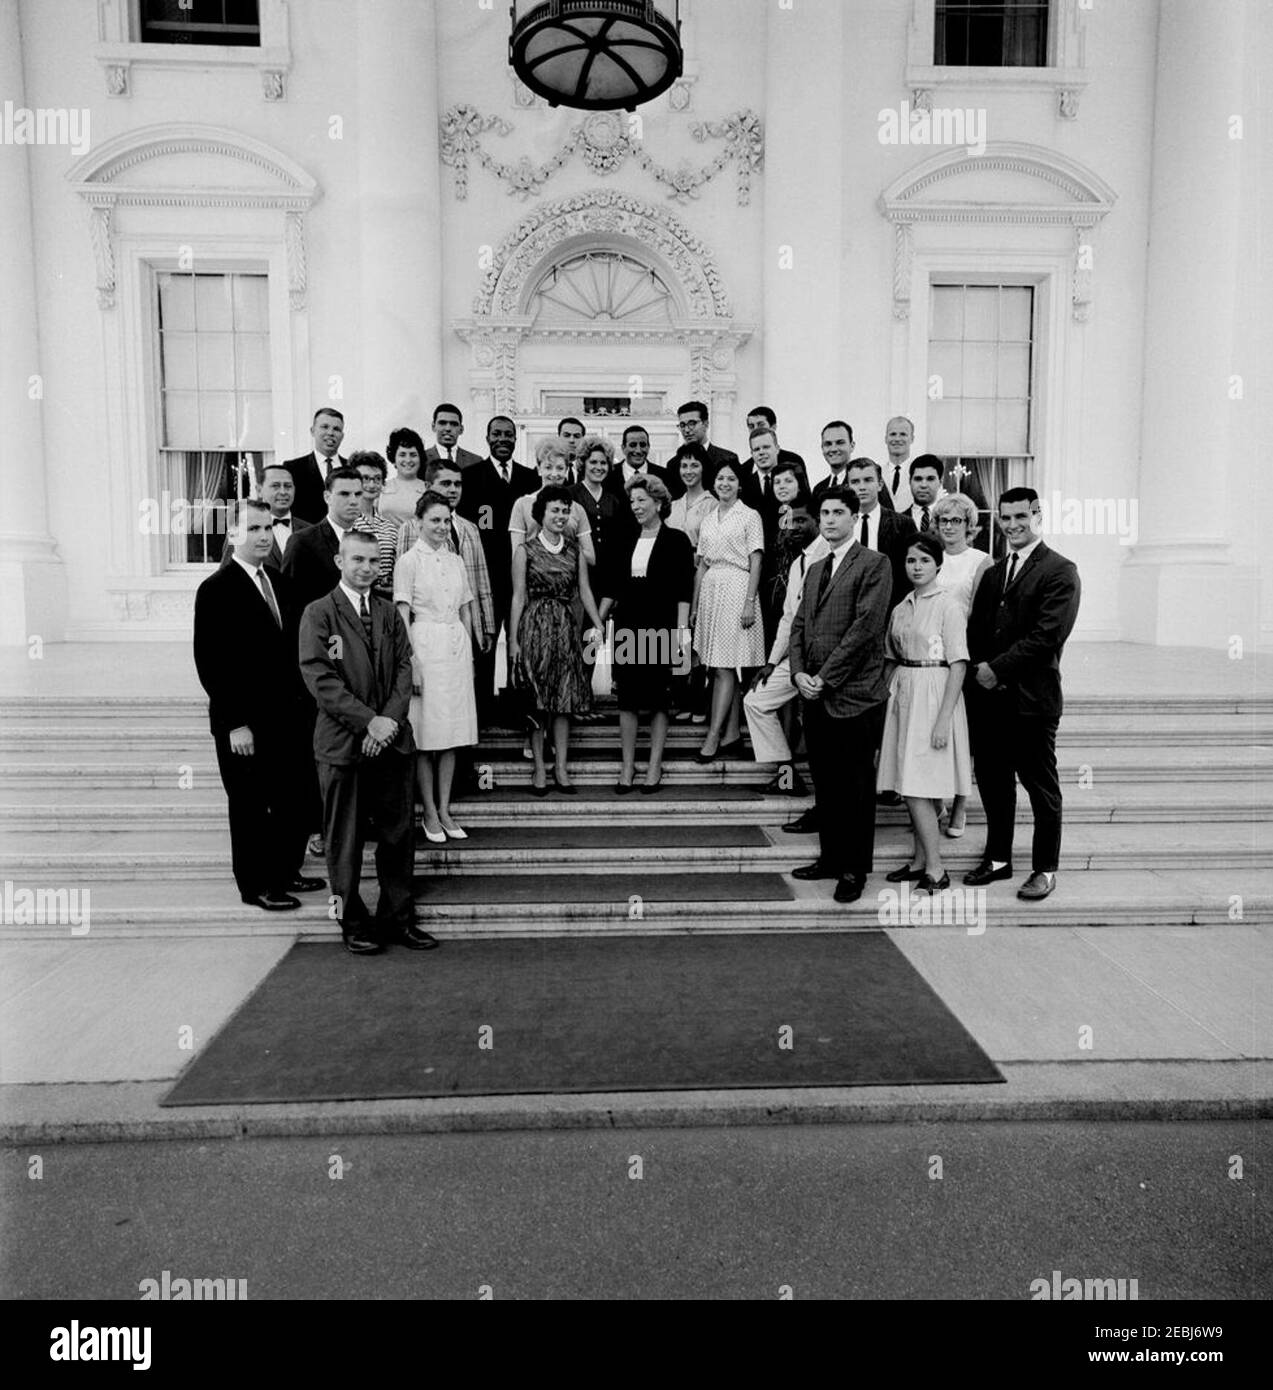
pixel 603 665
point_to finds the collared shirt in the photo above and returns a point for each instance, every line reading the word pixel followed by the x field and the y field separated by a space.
pixel 470 551
pixel 1022 556
pixel 838 555
pixel 286 522
pixel 252 571
pixel 815 550
pixel 355 599
pixel 629 472
pixel 872 519
pixel 901 494
pixel 917 509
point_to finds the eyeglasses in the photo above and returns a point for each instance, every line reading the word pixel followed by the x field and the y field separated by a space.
pixel 951 521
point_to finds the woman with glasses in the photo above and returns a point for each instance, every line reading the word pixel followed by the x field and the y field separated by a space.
pixel 372 470
pixel 955 521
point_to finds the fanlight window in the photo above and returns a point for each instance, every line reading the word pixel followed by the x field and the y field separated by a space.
pixel 601 287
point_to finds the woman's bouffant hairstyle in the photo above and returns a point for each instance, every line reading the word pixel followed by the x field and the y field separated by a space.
pixel 595 441
pixel 655 488
pixel 550 447
pixel 429 498
pixel 545 495
pixel 930 545
pixel 957 504
pixel 404 439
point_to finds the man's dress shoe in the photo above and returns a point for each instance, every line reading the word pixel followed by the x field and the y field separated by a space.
pixel 816 870
pixel 1037 886
pixel 415 938
pixel 786 782
pixel 301 884
pixel 849 889
pixel 985 873
pixel 360 942
pixel 273 902
pixel 803 825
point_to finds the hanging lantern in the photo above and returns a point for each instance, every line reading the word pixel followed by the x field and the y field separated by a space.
pixel 596 55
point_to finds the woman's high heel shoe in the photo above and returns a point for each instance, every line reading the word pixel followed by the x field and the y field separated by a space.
pixel 565 790
pixel 930 885
pixel 434 837
pixel 904 875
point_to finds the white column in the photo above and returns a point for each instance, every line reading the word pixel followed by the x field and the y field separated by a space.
pixel 399 215
pixel 802 183
pixel 1181 586
pixel 32 577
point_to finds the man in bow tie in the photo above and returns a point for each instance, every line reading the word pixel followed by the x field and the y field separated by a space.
pixel 277 491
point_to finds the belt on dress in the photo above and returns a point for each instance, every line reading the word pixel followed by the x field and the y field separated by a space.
pixel 746 569
pixel 922 663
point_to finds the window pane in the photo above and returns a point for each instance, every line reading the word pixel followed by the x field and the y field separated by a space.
pixel 981 313
pixel 176 301
pixel 256 420
pixel 181 420
pixel 948 311
pixel 979 427
pixel 946 361
pixel 251 303
pixel 1014 373
pixel 179 372
pixel 979 369
pixel 216 362
pixel 1015 302
pixel 216 420
pixel 212 304
pixel 252 361
pixel 945 420
pixel 1014 420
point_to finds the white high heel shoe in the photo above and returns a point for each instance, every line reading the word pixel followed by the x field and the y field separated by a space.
pixel 434 837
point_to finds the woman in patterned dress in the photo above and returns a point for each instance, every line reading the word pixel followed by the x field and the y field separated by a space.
pixel 925 753
pixel 725 617
pixel 550 573
pixel 431 589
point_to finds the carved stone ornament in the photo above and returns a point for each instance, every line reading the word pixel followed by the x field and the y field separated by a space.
pixel 272 87
pixel 117 79
pixel 605 141
pixel 1067 103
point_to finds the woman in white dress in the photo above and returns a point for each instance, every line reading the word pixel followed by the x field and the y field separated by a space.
pixel 955 521
pixel 925 753
pixel 431 589
pixel 690 463
pixel 725 614
pixel 401 492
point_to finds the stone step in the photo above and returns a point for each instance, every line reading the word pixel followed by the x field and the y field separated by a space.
pixel 1137 898
pixel 182 854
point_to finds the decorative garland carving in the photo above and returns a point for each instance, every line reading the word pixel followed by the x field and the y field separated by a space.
pixel 101 233
pixel 604 140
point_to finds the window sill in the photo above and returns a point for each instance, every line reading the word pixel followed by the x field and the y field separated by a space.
pixel 119 59
pixel 1066 83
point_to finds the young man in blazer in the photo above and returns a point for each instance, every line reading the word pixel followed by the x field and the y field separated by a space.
pixel 448 425
pixel 355 659
pixel 309 563
pixel 875 526
pixel 1024 610
pixel 691 420
pixel 490 489
pixel 245 652
pixel 310 471
pixel 636 459
pixel 278 492
pixel 837 666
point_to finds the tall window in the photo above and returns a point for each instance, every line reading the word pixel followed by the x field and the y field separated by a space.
pixel 217 425
pixel 981 349
pixel 991 33
pixel 233 22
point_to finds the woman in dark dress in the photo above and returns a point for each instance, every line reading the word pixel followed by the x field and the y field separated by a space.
pixel 650 594
pixel 546 654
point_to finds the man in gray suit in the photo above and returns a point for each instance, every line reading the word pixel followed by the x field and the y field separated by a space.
pixel 837 665
pixel 356 661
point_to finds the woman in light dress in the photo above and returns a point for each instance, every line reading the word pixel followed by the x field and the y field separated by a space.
pixel 692 466
pixel 925 754
pixel 725 614
pixel 401 492
pixel 431 589
pixel 955 523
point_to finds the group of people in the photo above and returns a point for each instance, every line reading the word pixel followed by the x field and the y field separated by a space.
pixel 720 587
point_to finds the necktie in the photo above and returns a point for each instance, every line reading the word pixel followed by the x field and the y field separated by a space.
pixel 365 614
pixel 450 456
pixel 866 534
pixel 924 520
pixel 826 577
pixel 897 478
pixel 269 594
pixel 455 538
pixel 1012 572
pixel 802 566
pixel 504 472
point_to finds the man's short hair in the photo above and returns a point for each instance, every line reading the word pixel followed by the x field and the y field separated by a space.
pixel 404 438
pixel 447 406
pixel 927 461
pixel 1017 494
pixel 569 420
pixel 327 410
pixel 635 429
pixel 278 468
pixel 838 425
pixel 803 503
pixel 343 474
pixel 253 504
pixel 368 458
pixel 507 419
pixel 766 414
pixel 905 419
pixel 839 494
pixel 866 463
pixel 436 466
pixel 697 407
pixel 760 431
pixel 362 537
pixel 549 494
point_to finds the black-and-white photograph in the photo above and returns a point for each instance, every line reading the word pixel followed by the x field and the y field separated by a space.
pixel 635 658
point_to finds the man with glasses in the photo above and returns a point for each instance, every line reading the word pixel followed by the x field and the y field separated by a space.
pixel 691 420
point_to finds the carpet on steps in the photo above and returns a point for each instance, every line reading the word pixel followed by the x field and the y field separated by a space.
pixel 436 890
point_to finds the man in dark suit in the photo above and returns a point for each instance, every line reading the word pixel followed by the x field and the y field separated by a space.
pixel 691 420
pixel 448 425
pixel 490 489
pixel 837 666
pixel 760 415
pixel 837 449
pixel 355 658
pixel 1023 611
pixel 310 471
pixel 927 475
pixel 571 432
pixel 245 652
pixel 758 491
pixel 636 459
pixel 309 562
pixel 277 492
pixel 877 528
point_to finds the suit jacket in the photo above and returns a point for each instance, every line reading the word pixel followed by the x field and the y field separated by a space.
pixel 669 580
pixel 466 458
pixel 717 456
pixel 487 501
pixel 840 636
pixel 245 661
pixel 308 503
pixel 896 532
pixel 614 482
pixel 350 682
pixel 310 562
pixel 1022 633
pixel 274 560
